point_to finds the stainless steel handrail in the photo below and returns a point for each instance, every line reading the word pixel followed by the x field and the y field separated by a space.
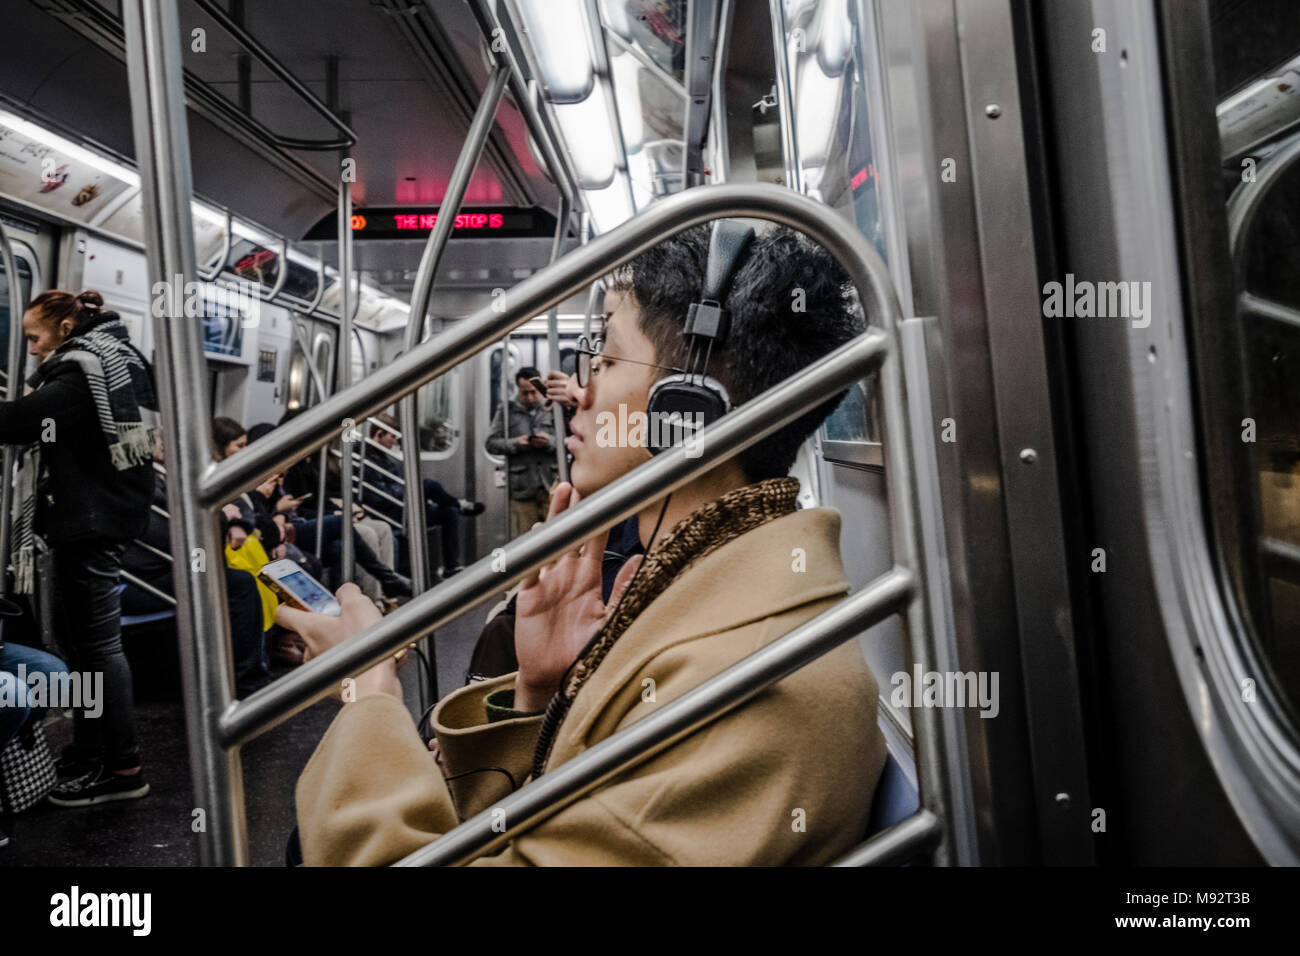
pixel 217 725
pixel 900 843
pixel 131 579
pixel 268 60
pixel 555 789
pixel 664 473
pixel 12 392
pixel 343 378
pixel 408 414
pixel 553 345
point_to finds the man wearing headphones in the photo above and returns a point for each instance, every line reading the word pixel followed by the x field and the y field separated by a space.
pixel 707 320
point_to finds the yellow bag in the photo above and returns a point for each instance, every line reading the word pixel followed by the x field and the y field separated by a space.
pixel 252 558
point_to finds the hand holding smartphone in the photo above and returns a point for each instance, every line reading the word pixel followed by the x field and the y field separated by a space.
pixel 297 588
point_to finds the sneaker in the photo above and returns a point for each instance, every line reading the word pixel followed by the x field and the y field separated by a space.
pixel 471 509
pixel 99 787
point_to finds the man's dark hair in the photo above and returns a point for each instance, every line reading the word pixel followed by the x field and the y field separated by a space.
pixel 527 372
pixel 790 301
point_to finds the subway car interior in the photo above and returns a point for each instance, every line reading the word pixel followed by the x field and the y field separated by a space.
pixel 343 248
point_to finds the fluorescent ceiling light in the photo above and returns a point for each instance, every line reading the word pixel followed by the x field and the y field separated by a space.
pixel 609 206
pixel 627 94
pixel 641 175
pixel 558 31
pixel 587 132
pixel 70 149
pixel 245 231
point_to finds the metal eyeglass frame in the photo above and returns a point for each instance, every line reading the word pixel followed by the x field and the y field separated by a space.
pixel 589 349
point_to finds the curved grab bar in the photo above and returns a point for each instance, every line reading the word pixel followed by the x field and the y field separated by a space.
pixel 246 40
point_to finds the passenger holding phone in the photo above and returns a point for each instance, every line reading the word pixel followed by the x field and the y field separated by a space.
pixel 529 447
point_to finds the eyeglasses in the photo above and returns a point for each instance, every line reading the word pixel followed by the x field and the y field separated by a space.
pixel 590 355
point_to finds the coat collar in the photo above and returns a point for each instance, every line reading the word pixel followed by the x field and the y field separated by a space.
pixel 754 577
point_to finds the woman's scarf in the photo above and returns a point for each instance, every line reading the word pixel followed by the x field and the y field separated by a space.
pixel 121 387
pixel 696 535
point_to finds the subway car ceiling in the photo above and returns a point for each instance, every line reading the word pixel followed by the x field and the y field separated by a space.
pixel 407 85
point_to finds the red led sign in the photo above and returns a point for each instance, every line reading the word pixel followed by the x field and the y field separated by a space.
pixel 465 220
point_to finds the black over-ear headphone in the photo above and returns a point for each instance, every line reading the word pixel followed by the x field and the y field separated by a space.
pixel 681 403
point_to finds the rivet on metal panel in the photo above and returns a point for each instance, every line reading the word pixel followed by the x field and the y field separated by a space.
pixel 1028 456
pixel 993 111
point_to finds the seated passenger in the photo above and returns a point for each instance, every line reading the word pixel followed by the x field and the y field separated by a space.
pixel 441 510
pixel 529 448
pixel 392 584
pixel 247 637
pixel 786 778
pixel 19 708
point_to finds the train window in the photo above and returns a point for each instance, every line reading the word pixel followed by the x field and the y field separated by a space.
pixel 438 408
pixel 296 389
pixel 25 284
pixel 1257 495
pixel 827 71
pixel 656 30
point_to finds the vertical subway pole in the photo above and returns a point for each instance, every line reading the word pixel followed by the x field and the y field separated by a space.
pixel 13 392
pixel 343 378
pixel 417 529
pixel 153 56
pixel 553 338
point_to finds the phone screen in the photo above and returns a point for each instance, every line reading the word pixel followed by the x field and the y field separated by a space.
pixel 310 592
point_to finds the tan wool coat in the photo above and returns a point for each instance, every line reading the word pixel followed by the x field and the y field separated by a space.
pixel 786 778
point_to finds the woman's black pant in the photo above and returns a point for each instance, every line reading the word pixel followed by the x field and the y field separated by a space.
pixel 87 574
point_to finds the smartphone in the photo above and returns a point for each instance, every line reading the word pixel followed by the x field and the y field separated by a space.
pixel 297 588
pixel 538 384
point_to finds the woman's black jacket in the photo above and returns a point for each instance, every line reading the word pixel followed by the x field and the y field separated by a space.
pixel 85 496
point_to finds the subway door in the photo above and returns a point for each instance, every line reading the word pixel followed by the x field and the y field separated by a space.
pixel 118 273
pixel 264 395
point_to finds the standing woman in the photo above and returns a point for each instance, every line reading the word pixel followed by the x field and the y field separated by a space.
pixel 85 483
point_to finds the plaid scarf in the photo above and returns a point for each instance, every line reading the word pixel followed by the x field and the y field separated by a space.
pixel 121 387
pixel 700 533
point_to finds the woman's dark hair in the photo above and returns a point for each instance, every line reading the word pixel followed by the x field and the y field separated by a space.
pixel 224 431
pixel 56 305
pixel 260 430
pixel 791 303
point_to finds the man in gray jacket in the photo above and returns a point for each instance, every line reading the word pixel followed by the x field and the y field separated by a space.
pixel 529 449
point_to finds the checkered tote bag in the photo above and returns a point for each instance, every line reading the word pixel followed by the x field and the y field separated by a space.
pixel 27 771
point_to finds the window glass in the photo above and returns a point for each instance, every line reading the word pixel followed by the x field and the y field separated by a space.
pixel 1257 79
pixel 25 284
pixel 827 72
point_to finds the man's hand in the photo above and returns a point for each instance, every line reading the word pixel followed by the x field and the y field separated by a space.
pixel 267 488
pixel 323 632
pixel 236 537
pixel 540 441
pixel 557 611
pixel 287 503
pixel 558 388
pixel 232 512
pixel 524 441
